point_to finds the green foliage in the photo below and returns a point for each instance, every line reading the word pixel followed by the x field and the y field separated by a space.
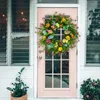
pixel 48 32
pixel 19 87
pixel 90 89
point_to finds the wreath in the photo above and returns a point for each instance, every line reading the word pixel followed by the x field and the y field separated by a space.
pixel 48 33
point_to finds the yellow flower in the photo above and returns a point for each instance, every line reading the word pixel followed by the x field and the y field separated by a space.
pixel 60 49
pixel 68 37
pixel 47 25
pixel 57 25
pixel 43 37
pixel 56 45
pixel 64 40
pixel 63 20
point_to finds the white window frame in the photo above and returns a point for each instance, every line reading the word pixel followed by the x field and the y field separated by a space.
pixel 10 35
pixel 83 27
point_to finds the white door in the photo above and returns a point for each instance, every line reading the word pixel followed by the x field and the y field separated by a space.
pixel 57 74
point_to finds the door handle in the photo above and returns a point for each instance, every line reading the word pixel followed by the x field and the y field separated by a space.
pixel 40 57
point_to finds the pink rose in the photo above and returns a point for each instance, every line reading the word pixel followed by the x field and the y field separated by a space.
pixel 50 31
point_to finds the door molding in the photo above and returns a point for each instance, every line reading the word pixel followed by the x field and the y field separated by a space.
pixel 36 6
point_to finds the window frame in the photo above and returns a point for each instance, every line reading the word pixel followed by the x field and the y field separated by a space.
pixel 85 30
pixel 11 34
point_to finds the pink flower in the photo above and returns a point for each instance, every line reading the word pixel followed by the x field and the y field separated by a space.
pixel 53 27
pixel 48 41
pixel 95 84
pixel 50 31
pixel 87 96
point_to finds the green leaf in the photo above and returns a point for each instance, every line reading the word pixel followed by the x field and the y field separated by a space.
pixel 22 69
pixel 10 89
pixel 49 46
pixel 50 36
pixel 65 45
pixel 66 27
pixel 44 32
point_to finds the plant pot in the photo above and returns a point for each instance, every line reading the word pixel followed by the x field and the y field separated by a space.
pixel 19 98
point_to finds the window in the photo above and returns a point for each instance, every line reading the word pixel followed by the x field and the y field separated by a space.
pixel 93 32
pixel 59 1
pixel 3 30
pixel 19 35
pixel 20 32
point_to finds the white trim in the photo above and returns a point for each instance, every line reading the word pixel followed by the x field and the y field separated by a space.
pixel 78 55
pixel 9 27
pixel 35 49
pixel 57 5
pixel 31 37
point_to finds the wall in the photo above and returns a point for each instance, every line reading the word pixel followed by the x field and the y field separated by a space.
pixel 7 76
pixel 8 73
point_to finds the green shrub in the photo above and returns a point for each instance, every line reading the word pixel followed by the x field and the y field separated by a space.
pixel 90 89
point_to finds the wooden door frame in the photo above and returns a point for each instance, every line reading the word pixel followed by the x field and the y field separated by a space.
pixel 36 6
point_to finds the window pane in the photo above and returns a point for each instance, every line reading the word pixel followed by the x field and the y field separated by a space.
pixel 20 50
pixel 48 81
pixel 20 15
pixel 93 32
pixel 58 1
pixel 3 30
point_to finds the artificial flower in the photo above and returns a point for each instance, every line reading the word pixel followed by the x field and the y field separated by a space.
pixel 63 19
pixel 57 25
pixel 64 40
pixel 66 32
pixel 43 37
pixel 47 25
pixel 68 37
pixel 72 35
pixel 60 49
pixel 48 41
pixel 50 31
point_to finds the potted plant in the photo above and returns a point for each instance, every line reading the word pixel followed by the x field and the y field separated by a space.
pixel 19 89
pixel 90 89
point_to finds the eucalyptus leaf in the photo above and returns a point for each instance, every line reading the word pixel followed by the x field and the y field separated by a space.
pixel 49 46
pixel 50 36
pixel 65 45
pixel 44 32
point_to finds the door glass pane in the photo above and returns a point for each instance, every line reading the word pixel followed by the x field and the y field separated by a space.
pixel 48 81
pixel 65 81
pixel 56 66
pixel 59 1
pixel 57 81
pixel 65 55
pixel 20 15
pixel 48 67
pixel 65 66
pixel 48 55
pixel 3 31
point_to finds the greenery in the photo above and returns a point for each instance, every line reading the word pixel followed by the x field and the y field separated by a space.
pixel 49 31
pixel 19 87
pixel 90 89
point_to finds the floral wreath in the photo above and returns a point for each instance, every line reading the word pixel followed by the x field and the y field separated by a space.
pixel 49 28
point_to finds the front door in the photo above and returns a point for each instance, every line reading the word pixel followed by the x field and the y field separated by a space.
pixel 56 74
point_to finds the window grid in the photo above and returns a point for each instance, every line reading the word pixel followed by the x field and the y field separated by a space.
pixel 60 74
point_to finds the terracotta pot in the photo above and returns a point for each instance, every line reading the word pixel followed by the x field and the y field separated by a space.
pixel 19 98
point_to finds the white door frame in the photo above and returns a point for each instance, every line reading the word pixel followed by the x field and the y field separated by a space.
pixel 35 41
